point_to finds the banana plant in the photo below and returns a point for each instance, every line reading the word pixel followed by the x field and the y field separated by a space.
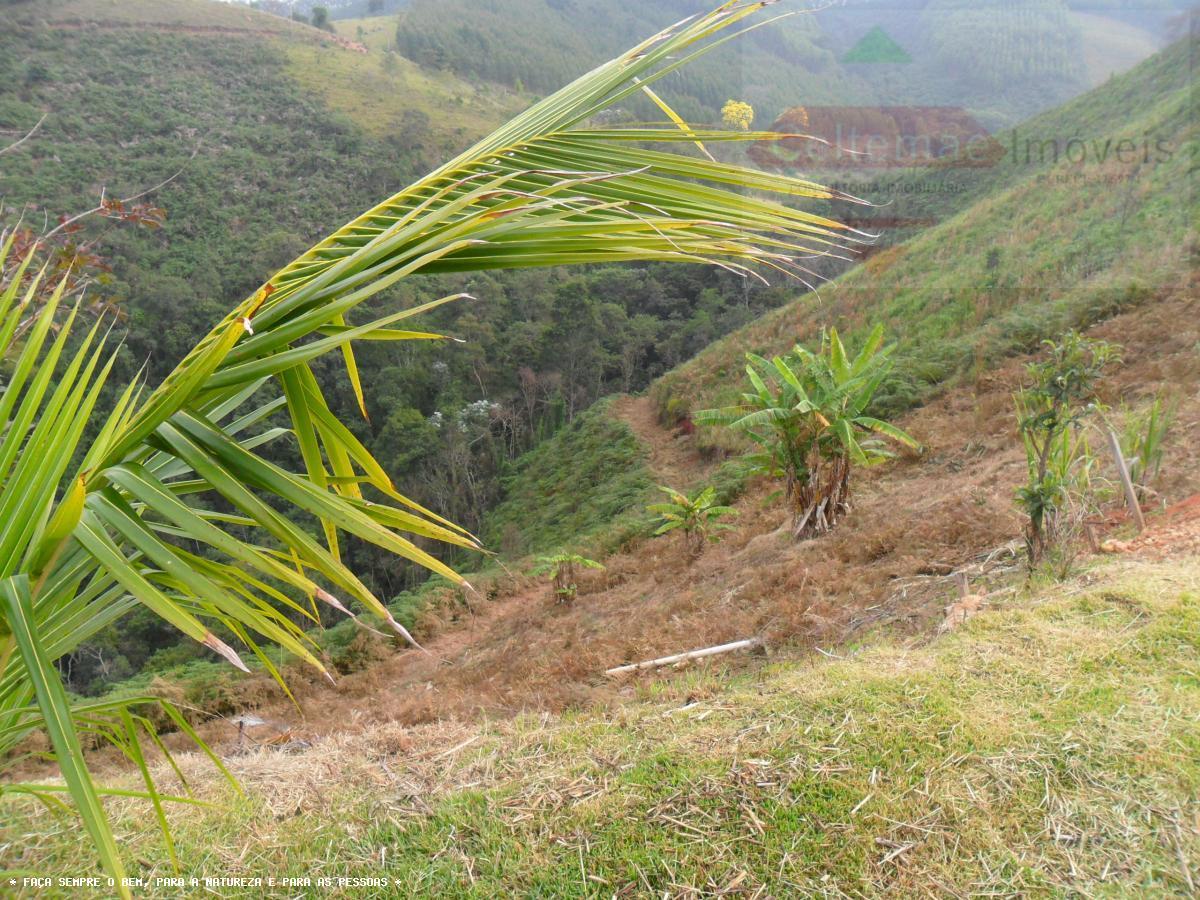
pixel 169 502
pixel 697 516
pixel 561 568
pixel 806 414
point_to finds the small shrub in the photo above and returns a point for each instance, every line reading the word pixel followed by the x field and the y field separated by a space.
pixel 358 652
pixel 1061 395
pixel 561 569
pixel 696 516
pixel 807 414
pixel 1142 440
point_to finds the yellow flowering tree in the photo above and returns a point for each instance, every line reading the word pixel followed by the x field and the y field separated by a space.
pixel 737 114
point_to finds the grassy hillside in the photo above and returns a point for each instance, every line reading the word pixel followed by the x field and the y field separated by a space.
pixel 385 93
pixel 1097 119
pixel 1049 747
pixel 1035 55
pixel 1028 249
pixel 381 93
pixel 570 486
pixel 1044 246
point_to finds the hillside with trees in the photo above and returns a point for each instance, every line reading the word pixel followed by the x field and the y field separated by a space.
pixel 1035 243
pixel 593 514
pixel 259 164
pixel 952 53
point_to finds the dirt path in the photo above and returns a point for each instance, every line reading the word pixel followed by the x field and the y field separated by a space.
pixel 671 455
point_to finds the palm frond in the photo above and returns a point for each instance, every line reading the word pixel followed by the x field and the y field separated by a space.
pixel 889 430
pixel 79 547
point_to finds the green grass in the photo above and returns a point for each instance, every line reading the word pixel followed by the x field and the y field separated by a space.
pixel 376 32
pixel 385 93
pixel 589 477
pixel 1050 747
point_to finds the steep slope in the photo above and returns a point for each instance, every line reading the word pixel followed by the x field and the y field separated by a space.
pixel 1047 747
pixel 511 647
pixel 1030 247
pixel 268 135
pixel 293 131
pixel 1084 134
pixel 1025 260
pixel 1090 211
pixel 244 120
pixel 964 335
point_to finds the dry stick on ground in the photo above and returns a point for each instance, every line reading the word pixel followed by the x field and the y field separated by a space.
pixel 748 644
pixel 964 585
pixel 967 605
pixel 1135 507
pixel 30 133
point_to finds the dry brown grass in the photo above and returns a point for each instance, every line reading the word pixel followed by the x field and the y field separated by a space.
pixel 888 567
pixel 1043 749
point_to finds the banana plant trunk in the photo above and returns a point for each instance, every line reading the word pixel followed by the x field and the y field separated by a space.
pixel 564 583
pixel 820 500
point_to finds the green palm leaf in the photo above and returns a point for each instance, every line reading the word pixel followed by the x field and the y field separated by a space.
pixel 79 548
pixel 55 714
pixel 888 430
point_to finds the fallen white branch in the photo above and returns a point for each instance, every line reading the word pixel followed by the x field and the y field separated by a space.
pixel 748 644
pixel 30 133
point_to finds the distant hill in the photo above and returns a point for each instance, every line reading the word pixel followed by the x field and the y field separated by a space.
pixel 131 90
pixel 1002 59
pixel 1088 212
